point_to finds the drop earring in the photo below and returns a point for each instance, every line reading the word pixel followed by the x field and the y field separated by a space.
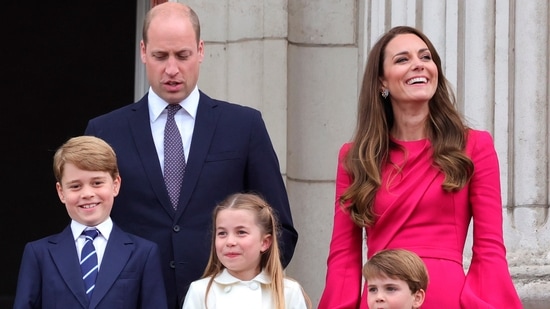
pixel 385 93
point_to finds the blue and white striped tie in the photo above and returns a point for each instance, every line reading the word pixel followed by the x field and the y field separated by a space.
pixel 88 261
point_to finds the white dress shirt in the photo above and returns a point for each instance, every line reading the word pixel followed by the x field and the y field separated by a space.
pixel 184 118
pixel 100 242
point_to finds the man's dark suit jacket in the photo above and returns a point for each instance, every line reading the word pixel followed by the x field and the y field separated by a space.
pixel 129 276
pixel 230 152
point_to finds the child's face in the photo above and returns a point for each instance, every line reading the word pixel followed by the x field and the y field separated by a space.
pixel 240 242
pixel 388 293
pixel 87 195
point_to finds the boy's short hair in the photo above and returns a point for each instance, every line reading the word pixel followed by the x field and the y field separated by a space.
pixel 398 264
pixel 88 153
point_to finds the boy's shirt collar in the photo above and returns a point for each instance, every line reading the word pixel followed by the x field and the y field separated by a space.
pixel 104 228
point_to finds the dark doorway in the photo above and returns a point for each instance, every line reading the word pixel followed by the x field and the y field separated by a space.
pixel 63 63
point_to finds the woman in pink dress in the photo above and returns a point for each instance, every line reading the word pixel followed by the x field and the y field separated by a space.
pixel 414 177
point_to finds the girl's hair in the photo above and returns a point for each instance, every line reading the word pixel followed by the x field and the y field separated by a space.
pixel 270 259
pixel 371 142
pixel 398 264
pixel 88 153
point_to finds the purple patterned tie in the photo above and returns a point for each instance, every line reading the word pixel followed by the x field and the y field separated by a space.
pixel 174 157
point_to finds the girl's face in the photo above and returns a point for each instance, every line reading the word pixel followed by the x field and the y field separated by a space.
pixel 410 74
pixel 240 242
pixel 388 293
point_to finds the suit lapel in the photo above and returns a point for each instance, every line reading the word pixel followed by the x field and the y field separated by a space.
pixel 143 139
pixel 117 253
pixel 63 251
pixel 205 126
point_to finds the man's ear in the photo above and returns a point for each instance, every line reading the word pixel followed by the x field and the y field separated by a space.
pixel 419 297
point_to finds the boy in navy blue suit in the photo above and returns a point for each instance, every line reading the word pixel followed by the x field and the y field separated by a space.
pixel 126 268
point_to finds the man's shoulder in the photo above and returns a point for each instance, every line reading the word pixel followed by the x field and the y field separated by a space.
pixel 119 111
pixel 226 105
pixel 123 110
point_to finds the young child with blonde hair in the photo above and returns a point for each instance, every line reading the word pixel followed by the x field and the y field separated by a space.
pixel 244 269
pixel 92 263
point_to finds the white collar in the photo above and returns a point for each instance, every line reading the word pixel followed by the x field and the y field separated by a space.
pixel 226 278
pixel 157 104
pixel 104 228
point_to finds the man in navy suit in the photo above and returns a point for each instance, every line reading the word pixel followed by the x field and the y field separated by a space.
pixel 129 267
pixel 226 146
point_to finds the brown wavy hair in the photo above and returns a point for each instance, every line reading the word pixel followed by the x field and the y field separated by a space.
pixel 371 141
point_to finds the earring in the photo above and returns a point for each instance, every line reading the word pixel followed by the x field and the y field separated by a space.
pixel 385 93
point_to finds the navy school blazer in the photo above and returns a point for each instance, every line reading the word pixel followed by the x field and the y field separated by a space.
pixel 129 276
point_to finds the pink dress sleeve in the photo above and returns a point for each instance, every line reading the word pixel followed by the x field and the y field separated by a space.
pixel 488 280
pixel 344 263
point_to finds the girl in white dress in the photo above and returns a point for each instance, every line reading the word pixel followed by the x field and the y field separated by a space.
pixel 244 269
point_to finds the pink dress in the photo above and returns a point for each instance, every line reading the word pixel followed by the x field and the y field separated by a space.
pixel 415 213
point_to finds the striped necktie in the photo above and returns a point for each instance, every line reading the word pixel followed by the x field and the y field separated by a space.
pixel 88 261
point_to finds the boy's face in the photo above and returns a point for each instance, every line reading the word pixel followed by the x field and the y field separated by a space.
pixel 87 195
pixel 388 293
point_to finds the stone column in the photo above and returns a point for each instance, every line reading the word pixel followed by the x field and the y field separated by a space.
pixel 246 59
pixel 323 76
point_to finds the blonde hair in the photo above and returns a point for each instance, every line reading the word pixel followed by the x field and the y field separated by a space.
pixel 270 260
pixel 88 153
